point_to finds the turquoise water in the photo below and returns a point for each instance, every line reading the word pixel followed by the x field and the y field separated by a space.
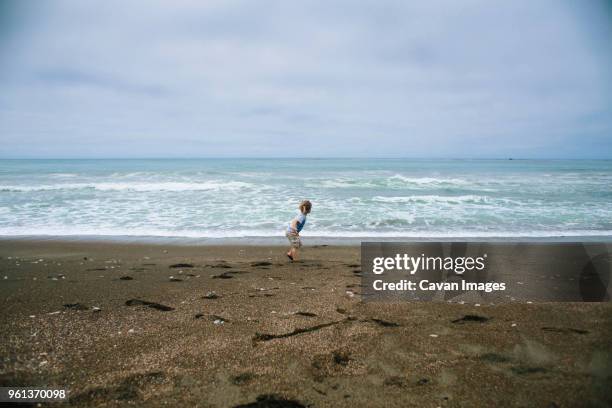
pixel 217 198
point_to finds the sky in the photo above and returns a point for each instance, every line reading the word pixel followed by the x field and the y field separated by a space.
pixel 460 79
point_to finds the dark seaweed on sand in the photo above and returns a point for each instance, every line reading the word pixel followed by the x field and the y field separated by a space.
pixel 75 306
pixel 219 265
pixel 267 337
pixel 224 275
pixel 272 401
pixel 181 265
pixel 565 330
pixel 228 275
pixel 153 305
pixel 306 314
pixel 385 323
pixel 471 318
pixel 242 378
pixel 341 358
pixel 264 263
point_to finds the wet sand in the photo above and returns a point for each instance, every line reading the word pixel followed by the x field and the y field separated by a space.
pixel 226 326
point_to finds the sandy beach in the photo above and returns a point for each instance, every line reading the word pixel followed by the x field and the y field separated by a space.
pixel 239 326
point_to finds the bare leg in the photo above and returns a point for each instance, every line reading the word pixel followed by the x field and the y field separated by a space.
pixel 292 254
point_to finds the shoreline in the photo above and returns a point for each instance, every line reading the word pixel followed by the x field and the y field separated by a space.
pixel 280 240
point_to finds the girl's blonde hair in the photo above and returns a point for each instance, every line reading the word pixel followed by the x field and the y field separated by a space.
pixel 305 205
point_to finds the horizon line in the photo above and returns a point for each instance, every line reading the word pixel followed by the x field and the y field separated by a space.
pixel 509 158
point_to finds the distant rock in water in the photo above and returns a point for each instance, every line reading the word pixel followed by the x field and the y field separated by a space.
pixel 181 265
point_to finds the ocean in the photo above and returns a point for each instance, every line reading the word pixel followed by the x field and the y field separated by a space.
pixel 352 198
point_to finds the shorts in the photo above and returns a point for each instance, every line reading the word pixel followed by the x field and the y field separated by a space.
pixel 294 239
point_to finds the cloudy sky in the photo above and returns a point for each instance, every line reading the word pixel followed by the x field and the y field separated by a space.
pixel 306 78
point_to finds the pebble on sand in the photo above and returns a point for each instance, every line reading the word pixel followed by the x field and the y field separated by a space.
pixel 211 295
pixel 218 320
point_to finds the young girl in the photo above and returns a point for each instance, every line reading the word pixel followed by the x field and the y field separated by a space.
pixel 294 228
